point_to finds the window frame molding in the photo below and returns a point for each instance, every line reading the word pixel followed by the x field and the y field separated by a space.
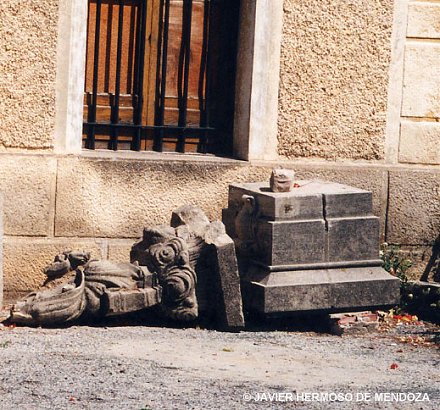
pixel 257 79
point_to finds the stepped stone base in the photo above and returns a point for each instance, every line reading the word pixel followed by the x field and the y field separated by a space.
pixel 326 290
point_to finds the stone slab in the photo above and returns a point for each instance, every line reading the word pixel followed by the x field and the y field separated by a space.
pixel 230 310
pixel 228 219
pixel 353 239
pixel 423 20
pixel 419 142
pixel 292 242
pixel 295 205
pixel 119 250
pixel 414 207
pixel 116 198
pixel 28 186
pixel 1 250
pixel 329 290
pixel 421 83
pixel 307 201
pixel 364 177
pixel 348 202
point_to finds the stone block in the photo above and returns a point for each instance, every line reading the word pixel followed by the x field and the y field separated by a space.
pixel 230 309
pixel 295 205
pixel 421 83
pixel 323 290
pixel 419 142
pixel 423 20
pixel 119 250
pixel 292 242
pixel 228 218
pixel 116 198
pixel 25 259
pixel 414 207
pixel 346 201
pixel 28 185
pixel 1 250
pixel 353 239
pixel 306 201
pixel 363 177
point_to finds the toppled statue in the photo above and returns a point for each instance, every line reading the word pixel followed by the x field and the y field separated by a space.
pixel 164 271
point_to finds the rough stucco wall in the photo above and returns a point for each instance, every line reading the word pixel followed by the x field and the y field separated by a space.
pixel 334 76
pixel 28 35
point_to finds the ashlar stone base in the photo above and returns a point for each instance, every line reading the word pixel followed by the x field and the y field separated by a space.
pixel 320 290
pixel 1 250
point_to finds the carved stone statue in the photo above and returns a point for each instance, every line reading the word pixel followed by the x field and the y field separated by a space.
pixel 281 180
pixel 161 272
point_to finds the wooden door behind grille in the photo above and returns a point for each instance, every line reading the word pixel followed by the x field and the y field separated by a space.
pixel 164 75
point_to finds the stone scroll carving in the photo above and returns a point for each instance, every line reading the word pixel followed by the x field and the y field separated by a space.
pixel 164 271
pixel 169 261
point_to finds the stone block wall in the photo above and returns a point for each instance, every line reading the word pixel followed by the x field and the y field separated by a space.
pixel 420 114
pixel 1 250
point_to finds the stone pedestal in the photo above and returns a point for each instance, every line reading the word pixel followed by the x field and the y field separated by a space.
pixel 315 248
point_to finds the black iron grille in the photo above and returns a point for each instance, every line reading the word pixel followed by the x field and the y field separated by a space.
pixel 152 69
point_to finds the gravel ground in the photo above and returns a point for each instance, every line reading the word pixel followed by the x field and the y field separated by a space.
pixel 139 367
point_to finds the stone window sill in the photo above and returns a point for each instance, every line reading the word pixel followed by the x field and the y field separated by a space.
pixel 157 156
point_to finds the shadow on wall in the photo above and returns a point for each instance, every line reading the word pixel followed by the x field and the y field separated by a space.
pixel 433 267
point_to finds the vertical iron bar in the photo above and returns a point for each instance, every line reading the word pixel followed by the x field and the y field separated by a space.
pixel 92 109
pixel 140 66
pixel 158 143
pixel 115 107
pixel 183 101
pixel 205 77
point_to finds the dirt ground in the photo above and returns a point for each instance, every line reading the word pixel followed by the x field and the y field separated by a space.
pixel 131 366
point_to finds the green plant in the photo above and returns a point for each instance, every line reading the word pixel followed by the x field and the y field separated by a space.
pixel 394 262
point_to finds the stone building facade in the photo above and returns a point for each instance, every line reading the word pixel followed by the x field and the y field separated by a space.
pixel 345 90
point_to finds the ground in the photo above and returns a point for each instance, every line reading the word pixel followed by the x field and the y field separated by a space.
pixel 150 367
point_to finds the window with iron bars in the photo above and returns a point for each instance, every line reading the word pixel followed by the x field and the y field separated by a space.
pixel 160 75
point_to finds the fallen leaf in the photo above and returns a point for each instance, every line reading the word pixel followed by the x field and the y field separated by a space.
pixel 394 366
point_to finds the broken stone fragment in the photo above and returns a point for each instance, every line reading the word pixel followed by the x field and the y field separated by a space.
pixel 230 309
pixel 66 262
pixel 62 304
pixel 281 180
